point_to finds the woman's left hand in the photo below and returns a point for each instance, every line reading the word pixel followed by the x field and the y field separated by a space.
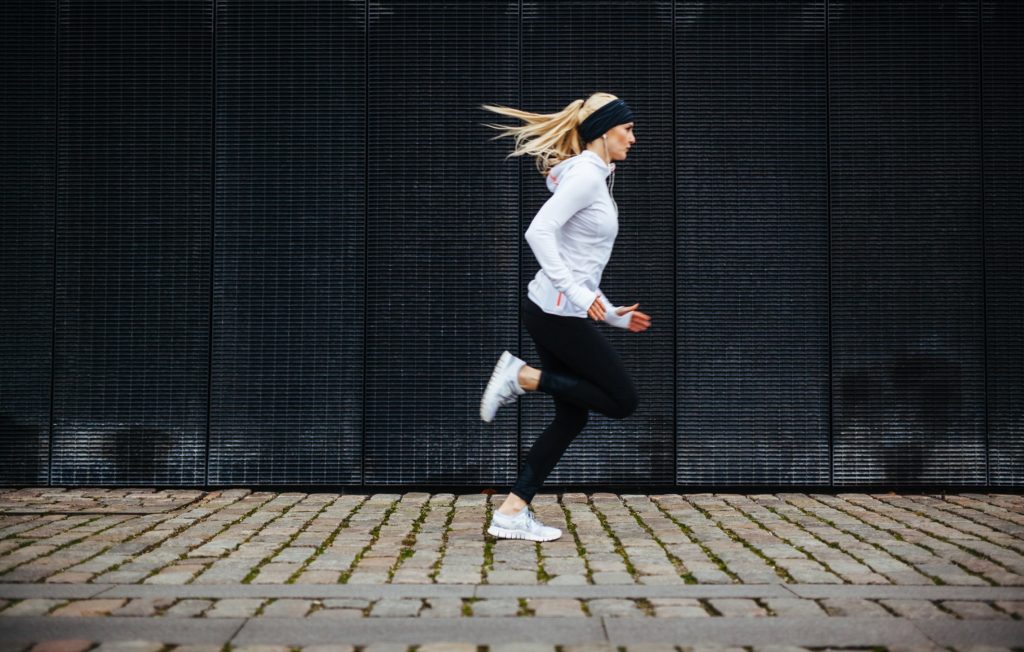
pixel 639 321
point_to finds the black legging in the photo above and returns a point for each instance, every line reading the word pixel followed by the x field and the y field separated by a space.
pixel 582 371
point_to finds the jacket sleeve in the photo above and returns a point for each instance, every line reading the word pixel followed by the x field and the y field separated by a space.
pixel 575 192
pixel 619 321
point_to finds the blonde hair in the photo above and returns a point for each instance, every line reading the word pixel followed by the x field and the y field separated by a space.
pixel 549 137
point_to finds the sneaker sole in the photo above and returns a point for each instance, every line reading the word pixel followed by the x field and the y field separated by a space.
pixel 505 533
pixel 494 384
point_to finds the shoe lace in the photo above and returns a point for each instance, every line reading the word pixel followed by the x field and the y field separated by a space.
pixel 510 395
pixel 531 521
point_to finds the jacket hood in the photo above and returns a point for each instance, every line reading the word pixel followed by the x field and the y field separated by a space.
pixel 586 157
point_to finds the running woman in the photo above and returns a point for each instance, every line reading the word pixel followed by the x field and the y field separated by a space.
pixel 571 236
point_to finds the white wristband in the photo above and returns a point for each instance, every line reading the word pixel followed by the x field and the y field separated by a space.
pixel 617 320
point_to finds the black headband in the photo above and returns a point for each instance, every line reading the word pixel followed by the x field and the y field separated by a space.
pixel 613 113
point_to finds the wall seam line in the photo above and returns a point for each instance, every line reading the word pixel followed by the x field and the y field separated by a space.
pixel 213 239
pixel 984 260
pixel 828 222
pixel 53 262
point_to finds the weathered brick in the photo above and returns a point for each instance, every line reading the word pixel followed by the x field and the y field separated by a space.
pixel 63 645
pixel 737 607
pixel 555 607
pixel 85 608
pixel 31 607
pixel 235 608
pixel 915 608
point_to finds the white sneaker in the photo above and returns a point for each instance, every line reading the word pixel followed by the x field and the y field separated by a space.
pixel 503 387
pixel 521 526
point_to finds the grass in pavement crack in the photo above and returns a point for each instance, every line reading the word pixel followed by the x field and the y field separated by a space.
pixel 618 544
pixel 780 571
pixel 138 534
pixel 488 545
pixel 33 541
pixel 34 524
pixel 887 608
pixel 937 580
pixel 542 574
pixel 182 528
pixel 173 533
pixel 436 566
pixel 374 535
pixel 860 538
pixel 410 540
pixel 55 607
pixel 1012 614
pixel 329 540
pixel 696 541
pixel 263 605
pixel 942 607
pixel 950 509
pixel 830 544
pixel 761 602
pixel 710 608
pixel 4 605
pixel 581 550
pixel 680 567
pixel 788 542
pixel 266 558
pixel 73 542
pixel 213 536
pixel 645 606
pixel 970 551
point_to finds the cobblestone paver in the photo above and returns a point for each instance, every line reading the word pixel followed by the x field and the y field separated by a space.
pixel 111 569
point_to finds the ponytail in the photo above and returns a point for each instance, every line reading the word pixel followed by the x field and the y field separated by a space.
pixel 549 137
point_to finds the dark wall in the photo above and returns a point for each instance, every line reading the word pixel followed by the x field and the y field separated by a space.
pixel 272 243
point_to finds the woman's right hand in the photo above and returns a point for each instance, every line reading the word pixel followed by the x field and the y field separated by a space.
pixel 596 310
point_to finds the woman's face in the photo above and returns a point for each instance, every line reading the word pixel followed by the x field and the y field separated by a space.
pixel 620 139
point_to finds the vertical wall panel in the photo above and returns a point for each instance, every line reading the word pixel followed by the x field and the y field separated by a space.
pixel 571 49
pixel 28 81
pixel 752 247
pixel 442 241
pixel 1003 121
pixel 907 317
pixel 133 231
pixel 286 399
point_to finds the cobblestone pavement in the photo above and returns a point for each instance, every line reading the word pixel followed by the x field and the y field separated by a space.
pixel 141 570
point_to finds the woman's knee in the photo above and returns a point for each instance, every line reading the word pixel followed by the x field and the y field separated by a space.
pixel 626 404
pixel 571 417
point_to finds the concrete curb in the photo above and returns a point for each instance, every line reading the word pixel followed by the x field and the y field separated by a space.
pixel 377 591
pixel 308 591
pixel 769 631
pixel 932 592
pixel 490 630
pixel 177 631
pixel 69 591
pixel 635 591
pixel 363 631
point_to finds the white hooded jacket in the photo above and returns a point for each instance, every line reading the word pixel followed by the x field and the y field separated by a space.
pixel 572 237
